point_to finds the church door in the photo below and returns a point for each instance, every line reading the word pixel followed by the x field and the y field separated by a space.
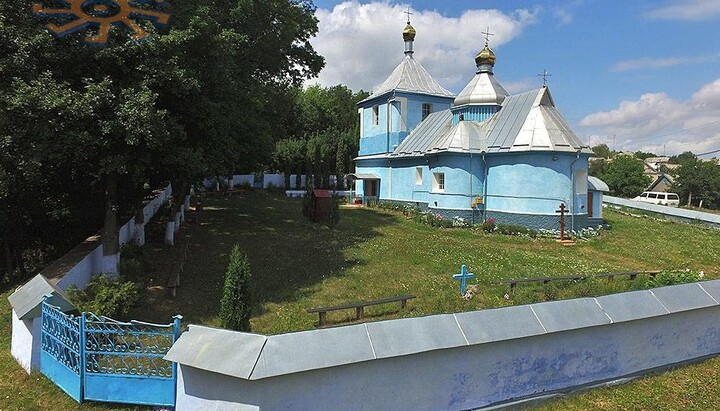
pixel 371 188
pixel 590 204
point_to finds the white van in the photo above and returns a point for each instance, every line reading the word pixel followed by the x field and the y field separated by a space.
pixel 656 197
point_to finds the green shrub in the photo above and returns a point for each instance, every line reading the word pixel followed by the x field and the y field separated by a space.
pixel 272 188
pixel 245 185
pixel 334 216
pixel 106 296
pixel 489 225
pixel 512 229
pixel 307 204
pixel 671 278
pixel 235 306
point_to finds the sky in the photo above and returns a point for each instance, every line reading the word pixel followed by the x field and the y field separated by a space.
pixel 633 74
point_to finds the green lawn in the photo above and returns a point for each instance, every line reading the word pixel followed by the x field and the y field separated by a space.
pixel 373 254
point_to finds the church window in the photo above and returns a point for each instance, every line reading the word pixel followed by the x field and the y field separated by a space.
pixel 426 110
pixel 438 182
pixel 581 186
pixel 418 176
pixel 375 115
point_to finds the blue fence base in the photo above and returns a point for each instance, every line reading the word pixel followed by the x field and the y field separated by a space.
pixel 66 379
pixel 129 390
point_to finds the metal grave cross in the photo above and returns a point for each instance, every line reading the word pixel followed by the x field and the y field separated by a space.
pixel 463 276
pixel 562 211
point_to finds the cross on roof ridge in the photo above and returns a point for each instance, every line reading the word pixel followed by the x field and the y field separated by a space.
pixel 545 74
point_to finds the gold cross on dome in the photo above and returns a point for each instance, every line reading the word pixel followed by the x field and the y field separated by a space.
pixel 487 35
pixel 408 14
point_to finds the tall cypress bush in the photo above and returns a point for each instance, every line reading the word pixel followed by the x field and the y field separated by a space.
pixel 235 303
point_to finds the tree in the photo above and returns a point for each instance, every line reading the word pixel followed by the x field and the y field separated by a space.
pixel 84 123
pixel 235 307
pixel 624 176
pixel 698 180
pixel 602 151
pixel 641 155
pixel 597 166
pixel 682 158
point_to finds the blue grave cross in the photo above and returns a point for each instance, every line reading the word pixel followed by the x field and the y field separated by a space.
pixel 463 276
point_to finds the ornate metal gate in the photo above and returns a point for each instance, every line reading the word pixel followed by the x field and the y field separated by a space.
pixel 101 359
pixel 124 361
pixel 60 350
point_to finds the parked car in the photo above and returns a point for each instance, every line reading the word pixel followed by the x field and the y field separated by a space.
pixel 656 197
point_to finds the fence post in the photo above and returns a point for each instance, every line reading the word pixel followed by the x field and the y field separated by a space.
pixel 176 335
pixel 82 356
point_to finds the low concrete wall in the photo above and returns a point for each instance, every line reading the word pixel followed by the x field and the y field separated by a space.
pixel 451 362
pixel 24 347
pixel 75 268
pixel 671 213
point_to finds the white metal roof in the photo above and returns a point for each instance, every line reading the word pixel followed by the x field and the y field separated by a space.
pixel 410 77
pixel 482 89
pixel 526 122
pixel 27 299
pixel 596 184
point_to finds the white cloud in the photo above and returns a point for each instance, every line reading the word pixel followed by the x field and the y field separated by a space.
pixel 563 16
pixel 362 43
pixel 650 62
pixel 691 10
pixel 660 124
pixel 646 62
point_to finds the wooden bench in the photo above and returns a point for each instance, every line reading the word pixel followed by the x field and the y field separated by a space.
pixel 359 307
pixel 577 277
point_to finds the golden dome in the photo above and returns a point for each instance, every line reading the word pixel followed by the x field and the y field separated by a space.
pixel 409 32
pixel 485 56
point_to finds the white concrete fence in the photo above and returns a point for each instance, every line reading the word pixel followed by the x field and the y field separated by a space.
pixel 463 361
pixel 670 213
pixel 75 268
pixel 268 180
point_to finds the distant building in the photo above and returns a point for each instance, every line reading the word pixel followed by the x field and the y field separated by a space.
pixel 481 154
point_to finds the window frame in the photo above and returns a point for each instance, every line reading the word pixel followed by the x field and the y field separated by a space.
pixel 438 182
pixel 375 115
pixel 426 110
pixel 418 176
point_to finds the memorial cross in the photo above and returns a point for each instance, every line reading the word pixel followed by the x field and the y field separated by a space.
pixel 463 276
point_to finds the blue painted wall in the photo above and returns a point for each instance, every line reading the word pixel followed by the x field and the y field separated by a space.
pixel 475 112
pixel 536 182
pixel 405 113
pixel 520 185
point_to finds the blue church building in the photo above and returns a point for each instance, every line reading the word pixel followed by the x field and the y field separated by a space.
pixel 481 154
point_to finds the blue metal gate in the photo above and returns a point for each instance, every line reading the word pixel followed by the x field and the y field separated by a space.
pixel 60 346
pixel 124 361
pixel 101 359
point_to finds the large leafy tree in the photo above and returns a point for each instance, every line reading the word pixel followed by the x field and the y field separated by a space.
pixel 602 151
pixel 324 128
pixel 624 176
pixel 79 123
pixel 697 181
